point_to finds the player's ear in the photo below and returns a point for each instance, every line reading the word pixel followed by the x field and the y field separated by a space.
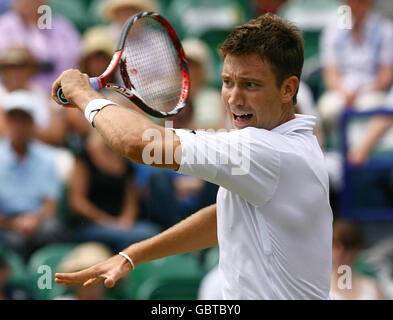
pixel 288 89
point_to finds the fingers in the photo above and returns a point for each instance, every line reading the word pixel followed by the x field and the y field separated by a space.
pixel 92 281
pixel 109 282
pixel 57 84
pixel 77 277
pixel 110 271
pixel 112 277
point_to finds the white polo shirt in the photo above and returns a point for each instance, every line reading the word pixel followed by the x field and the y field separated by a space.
pixel 273 214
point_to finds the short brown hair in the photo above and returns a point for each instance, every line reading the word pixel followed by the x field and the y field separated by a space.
pixel 272 38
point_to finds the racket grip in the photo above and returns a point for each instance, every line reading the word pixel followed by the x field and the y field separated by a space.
pixel 60 95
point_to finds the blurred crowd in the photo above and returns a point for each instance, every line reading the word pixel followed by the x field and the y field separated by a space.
pixel 61 185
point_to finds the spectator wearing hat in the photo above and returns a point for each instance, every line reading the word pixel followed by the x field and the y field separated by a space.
pixel 84 256
pixel 117 12
pixel 57 46
pixel 17 67
pixel 29 186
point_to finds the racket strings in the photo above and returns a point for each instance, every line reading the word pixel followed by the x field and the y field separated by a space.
pixel 153 65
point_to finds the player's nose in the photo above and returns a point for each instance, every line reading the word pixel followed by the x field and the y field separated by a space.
pixel 235 96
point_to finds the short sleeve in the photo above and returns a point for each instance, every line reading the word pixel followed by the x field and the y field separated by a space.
pixel 242 161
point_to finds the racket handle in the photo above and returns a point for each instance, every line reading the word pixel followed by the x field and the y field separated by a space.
pixel 60 95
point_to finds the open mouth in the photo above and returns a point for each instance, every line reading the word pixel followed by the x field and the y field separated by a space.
pixel 245 116
pixel 242 120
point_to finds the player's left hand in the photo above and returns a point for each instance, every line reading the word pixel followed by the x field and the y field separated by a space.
pixel 110 271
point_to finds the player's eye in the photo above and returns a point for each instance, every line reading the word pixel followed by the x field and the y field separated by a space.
pixel 227 82
pixel 250 84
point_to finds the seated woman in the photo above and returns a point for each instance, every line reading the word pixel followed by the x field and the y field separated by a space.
pixel 103 198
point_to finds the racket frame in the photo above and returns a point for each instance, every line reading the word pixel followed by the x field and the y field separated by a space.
pixel 129 90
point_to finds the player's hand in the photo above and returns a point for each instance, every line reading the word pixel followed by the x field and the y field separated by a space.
pixel 76 88
pixel 110 271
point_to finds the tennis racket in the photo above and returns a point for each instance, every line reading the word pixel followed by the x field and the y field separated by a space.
pixel 152 64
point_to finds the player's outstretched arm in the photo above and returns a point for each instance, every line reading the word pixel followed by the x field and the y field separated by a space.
pixel 197 232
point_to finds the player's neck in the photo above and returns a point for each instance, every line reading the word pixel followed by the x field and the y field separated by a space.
pixel 287 114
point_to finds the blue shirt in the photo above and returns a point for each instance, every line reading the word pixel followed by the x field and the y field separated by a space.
pixel 25 183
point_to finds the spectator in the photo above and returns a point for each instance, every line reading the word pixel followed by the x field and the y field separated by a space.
pixel 348 240
pixel 116 12
pixel 359 153
pixel 55 46
pixel 104 199
pixel 84 256
pixel 205 102
pixel 357 63
pixel 29 186
pixel 17 67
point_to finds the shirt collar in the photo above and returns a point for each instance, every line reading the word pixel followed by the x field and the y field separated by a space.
pixel 301 122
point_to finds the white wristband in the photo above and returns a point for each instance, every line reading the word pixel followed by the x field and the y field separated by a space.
pixel 93 107
pixel 128 258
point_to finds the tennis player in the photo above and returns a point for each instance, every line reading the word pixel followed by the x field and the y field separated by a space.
pixel 272 220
